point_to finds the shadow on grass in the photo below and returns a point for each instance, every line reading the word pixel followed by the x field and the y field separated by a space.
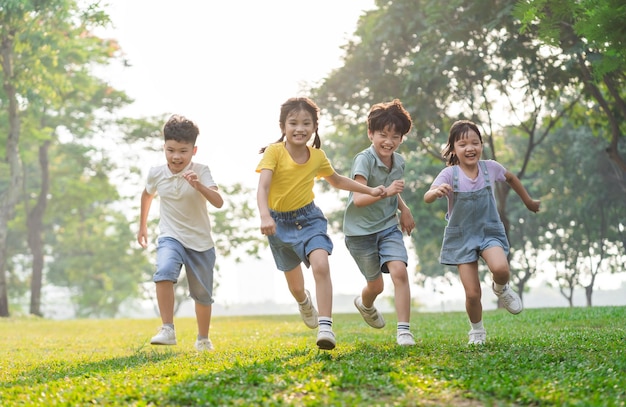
pixel 42 374
pixel 352 374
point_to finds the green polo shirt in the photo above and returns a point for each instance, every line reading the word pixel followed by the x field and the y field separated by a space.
pixel 382 214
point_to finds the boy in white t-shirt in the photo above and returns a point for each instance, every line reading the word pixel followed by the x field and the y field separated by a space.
pixel 185 238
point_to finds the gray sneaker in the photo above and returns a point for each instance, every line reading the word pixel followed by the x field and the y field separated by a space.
pixel 511 301
pixel 308 312
pixel 165 336
pixel 203 345
pixel 477 337
pixel 326 340
pixel 372 317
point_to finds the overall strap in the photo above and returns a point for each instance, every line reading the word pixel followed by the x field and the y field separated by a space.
pixel 455 178
pixel 483 166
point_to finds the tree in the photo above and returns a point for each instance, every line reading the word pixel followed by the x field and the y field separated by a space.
pixel 92 251
pixel 584 210
pixel 52 45
pixel 589 36
pixel 445 61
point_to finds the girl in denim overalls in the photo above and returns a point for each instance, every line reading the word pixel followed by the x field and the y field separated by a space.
pixel 474 227
pixel 295 227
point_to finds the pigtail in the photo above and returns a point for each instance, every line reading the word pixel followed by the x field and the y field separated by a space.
pixel 316 141
pixel 262 150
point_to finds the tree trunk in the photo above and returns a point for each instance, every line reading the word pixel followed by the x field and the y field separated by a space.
pixel 589 294
pixel 35 232
pixel 10 197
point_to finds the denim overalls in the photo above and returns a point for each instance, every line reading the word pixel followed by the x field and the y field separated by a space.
pixel 474 224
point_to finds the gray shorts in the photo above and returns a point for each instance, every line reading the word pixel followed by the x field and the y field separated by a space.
pixel 372 252
pixel 172 255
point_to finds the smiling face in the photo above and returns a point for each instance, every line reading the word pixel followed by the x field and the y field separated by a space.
pixel 468 149
pixel 298 128
pixel 385 142
pixel 178 155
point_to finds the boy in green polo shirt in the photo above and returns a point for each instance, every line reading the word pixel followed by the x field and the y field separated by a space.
pixel 371 224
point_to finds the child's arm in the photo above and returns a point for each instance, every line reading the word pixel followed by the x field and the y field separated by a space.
pixel 516 185
pixel 407 223
pixel 347 184
pixel 268 226
pixel 210 193
pixel 437 191
pixel 142 234
pixel 361 199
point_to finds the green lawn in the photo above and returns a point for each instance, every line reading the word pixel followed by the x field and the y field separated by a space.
pixel 559 356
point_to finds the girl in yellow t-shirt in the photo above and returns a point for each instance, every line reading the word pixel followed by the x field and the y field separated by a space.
pixel 295 227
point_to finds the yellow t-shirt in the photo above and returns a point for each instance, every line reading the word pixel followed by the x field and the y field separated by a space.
pixel 292 183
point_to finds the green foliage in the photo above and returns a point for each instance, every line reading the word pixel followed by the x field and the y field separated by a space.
pixel 565 357
pixel 475 60
pixel 235 226
pixel 93 252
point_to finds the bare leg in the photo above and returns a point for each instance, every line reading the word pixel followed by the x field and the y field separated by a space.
pixel 371 291
pixel 469 278
pixel 402 290
pixel 498 264
pixel 295 282
pixel 203 318
pixel 323 283
pixel 165 299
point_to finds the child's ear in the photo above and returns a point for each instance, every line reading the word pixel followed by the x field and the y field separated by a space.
pixel 195 150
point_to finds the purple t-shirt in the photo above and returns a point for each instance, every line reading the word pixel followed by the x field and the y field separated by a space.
pixel 466 184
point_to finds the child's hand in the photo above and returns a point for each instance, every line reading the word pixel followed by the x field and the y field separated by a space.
pixel 142 237
pixel 442 190
pixel 396 187
pixel 192 178
pixel 380 191
pixel 268 226
pixel 407 223
pixel 533 205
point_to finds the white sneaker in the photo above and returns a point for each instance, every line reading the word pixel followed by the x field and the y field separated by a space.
pixel 203 345
pixel 308 312
pixel 405 338
pixel 165 336
pixel 477 337
pixel 511 301
pixel 326 340
pixel 372 317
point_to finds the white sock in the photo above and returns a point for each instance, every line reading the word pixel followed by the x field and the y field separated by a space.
pixel 498 287
pixel 403 327
pixel 478 325
pixel 325 323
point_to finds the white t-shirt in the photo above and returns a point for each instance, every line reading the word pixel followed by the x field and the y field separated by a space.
pixel 184 214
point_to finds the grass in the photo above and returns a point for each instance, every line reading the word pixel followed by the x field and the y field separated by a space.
pixel 542 357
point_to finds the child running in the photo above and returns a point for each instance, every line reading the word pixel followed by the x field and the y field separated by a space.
pixel 295 227
pixel 184 187
pixel 371 223
pixel 474 227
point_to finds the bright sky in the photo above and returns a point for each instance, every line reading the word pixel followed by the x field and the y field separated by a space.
pixel 228 66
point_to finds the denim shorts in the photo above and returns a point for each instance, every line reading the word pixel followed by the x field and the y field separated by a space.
pixel 298 233
pixel 461 247
pixel 172 255
pixel 372 252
